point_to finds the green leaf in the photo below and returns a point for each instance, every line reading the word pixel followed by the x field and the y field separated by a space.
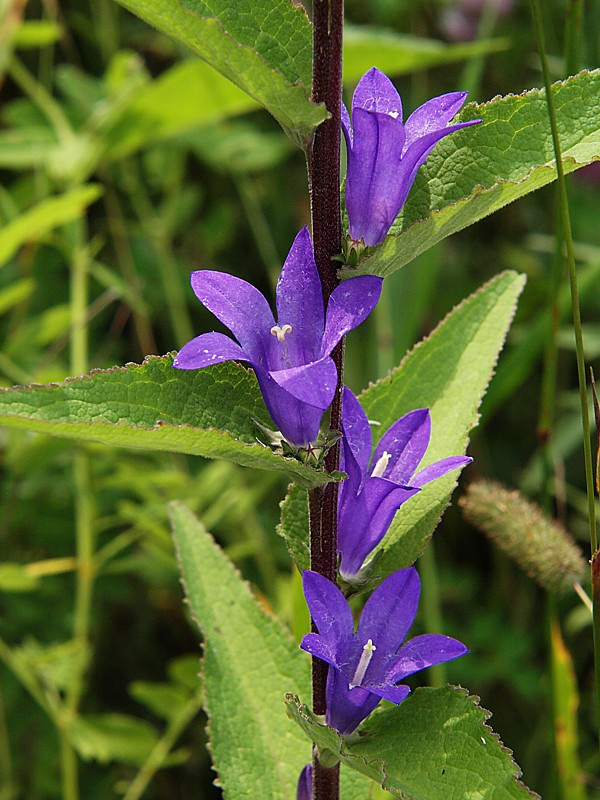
pixel 480 169
pixel 208 412
pixel 434 746
pixel 112 737
pixel 263 46
pixel 36 222
pixel 164 699
pixel 249 664
pixel 448 372
pixel 186 96
pixel 397 54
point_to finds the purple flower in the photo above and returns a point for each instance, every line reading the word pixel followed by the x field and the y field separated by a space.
pixel 376 488
pixel 291 357
pixel 367 665
pixel 304 789
pixel 384 153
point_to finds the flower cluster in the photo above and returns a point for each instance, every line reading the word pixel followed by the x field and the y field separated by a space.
pixel 291 357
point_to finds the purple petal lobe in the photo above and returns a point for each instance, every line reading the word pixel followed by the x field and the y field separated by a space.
pixel 318 646
pixel 372 175
pixel 395 694
pixel 300 301
pixel 433 115
pixel 347 127
pixel 304 788
pixel 346 708
pixel 356 428
pixel 376 92
pixel 439 468
pixel 241 307
pixel 406 441
pixel 329 609
pixel 313 383
pixel 350 303
pixel 208 349
pixel 298 422
pixel 422 652
pixel 390 611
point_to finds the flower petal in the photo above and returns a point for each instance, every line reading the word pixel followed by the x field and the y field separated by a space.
pixel 313 383
pixel 298 422
pixel 423 652
pixel 395 694
pixel 356 428
pixel 300 301
pixel 406 441
pixel 346 708
pixel 318 646
pixel 416 153
pixel 241 307
pixel 439 468
pixel 329 610
pixel 363 521
pixel 376 92
pixel 372 175
pixel 347 127
pixel 389 613
pixel 350 303
pixel 433 115
pixel 208 349
pixel 304 787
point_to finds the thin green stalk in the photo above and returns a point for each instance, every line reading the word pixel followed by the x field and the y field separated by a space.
pixel 42 99
pixel 470 79
pixel 573 35
pixel 68 767
pixel 258 225
pixel 7 787
pixel 162 748
pixel 587 449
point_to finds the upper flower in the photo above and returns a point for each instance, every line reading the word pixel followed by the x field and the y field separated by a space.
pixel 367 665
pixel 291 357
pixel 384 153
pixel 376 488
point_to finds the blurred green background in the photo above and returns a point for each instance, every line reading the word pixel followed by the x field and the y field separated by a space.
pixel 125 161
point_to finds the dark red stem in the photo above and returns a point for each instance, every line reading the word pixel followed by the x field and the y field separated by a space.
pixel 324 185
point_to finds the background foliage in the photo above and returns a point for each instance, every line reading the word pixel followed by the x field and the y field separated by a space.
pixel 122 157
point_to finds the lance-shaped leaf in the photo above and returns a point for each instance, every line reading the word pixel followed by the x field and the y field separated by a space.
pixel 448 372
pixel 211 412
pixel 249 664
pixel 434 746
pixel 473 173
pixel 263 46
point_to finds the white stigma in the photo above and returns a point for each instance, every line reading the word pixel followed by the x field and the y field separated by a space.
pixel 381 465
pixel 282 332
pixel 394 114
pixel 365 660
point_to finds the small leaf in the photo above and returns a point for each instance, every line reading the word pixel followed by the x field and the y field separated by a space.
pixel 263 46
pixel 184 97
pixel 434 746
pixel 476 171
pixel 249 664
pixel 164 699
pixel 210 412
pixel 398 54
pixel 36 222
pixel 448 372
pixel 112 737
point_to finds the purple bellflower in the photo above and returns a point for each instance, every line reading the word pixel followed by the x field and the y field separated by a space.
pixel 376 488
pixel 384 153
pixel 368 665
pixel 291 357
pixel 304 788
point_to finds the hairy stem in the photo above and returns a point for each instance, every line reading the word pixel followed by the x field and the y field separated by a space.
pixel 324 186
